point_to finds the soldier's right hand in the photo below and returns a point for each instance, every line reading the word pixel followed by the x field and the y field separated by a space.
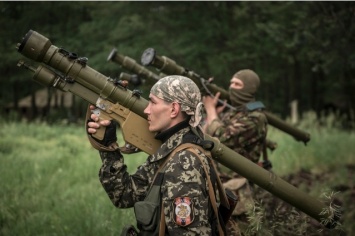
pixel 94 123
pixel 110 128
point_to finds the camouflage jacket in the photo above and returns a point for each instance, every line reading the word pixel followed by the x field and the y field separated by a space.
pixel 184 178
pixel 243 131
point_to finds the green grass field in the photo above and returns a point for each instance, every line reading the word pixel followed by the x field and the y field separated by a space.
pixel 50 185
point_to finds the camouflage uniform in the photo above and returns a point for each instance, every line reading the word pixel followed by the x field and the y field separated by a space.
pixel 241 130
pixel 244 131
pixel 184 175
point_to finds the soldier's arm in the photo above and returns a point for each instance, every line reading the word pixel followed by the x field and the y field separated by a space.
pixel 243 131
pixel 122 188
pixel 212 110
pixel 185 196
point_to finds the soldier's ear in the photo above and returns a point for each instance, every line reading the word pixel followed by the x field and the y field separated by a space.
pixel 175 109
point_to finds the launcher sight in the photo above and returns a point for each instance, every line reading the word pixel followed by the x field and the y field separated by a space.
pixel 131 65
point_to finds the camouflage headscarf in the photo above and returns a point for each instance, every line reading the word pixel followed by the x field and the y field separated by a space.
pixel 180 89
pixel 251 82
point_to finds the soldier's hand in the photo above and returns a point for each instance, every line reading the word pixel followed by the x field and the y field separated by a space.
pixel 94 123
pixel 220 108
pixel 210 102
pixel 110 128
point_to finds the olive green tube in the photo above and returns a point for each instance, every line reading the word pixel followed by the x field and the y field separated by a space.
pixel 38 48
pixel 270 182
pixel 169 66
pixel 95 83
pixel 131 64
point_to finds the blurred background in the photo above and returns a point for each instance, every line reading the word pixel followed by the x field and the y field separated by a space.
pixel 303 52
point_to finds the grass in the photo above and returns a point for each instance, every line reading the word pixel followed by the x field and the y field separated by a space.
pixel 50 185
pixel 328 148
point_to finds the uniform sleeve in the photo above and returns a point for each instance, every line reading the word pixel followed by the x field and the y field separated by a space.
pixel 122 188
pixel 185 196
pixel 215 125
pixel 244 134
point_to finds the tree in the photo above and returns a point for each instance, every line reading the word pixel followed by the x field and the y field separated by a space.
pixel 298 49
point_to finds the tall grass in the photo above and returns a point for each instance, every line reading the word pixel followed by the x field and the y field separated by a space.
pixel 328 147
pixel 50 186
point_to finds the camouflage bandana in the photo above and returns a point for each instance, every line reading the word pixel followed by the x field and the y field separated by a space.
pixel 180 89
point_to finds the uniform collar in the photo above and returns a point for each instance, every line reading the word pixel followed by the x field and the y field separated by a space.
pixel 165 135
pixel 170 144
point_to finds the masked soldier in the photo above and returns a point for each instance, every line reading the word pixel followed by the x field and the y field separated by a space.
pixel 242 128
pixel 171 190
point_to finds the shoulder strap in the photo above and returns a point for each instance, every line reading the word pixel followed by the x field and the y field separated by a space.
pixel 210 189
pixel 162 216
pixel 205 146
pixel 160 170
pixel 221 191
pixel 223 196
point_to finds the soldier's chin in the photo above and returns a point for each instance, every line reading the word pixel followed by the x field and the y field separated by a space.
pixel 151 128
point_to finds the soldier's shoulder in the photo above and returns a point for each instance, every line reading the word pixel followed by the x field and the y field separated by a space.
pixel 258 115
pixel 192 153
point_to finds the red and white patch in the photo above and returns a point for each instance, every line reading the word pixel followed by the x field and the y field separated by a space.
pixel 183 211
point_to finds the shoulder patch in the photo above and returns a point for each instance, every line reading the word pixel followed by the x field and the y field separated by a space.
pixel 183 211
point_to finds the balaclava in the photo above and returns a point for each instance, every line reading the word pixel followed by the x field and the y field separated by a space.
pixel 180 89
pixel 251 82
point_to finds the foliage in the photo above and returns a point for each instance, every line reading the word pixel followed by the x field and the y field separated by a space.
pixel 301 50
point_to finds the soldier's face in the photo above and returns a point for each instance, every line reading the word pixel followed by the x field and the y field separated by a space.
pixel 236 83
pixel 159 113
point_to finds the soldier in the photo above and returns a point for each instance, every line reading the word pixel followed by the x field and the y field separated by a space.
pixel 242 129
pixel 182 205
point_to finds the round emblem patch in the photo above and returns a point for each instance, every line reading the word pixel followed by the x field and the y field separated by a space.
pixel 183 211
